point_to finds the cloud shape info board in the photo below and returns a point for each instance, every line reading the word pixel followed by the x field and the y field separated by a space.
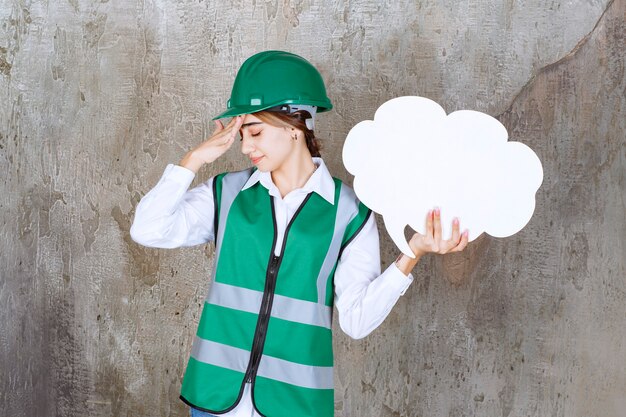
pixel 413 157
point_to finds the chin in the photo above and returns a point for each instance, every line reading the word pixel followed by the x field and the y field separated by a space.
pixel 264 168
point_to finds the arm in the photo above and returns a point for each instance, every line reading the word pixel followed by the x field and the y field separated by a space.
pixel 363 296
pixel 169 216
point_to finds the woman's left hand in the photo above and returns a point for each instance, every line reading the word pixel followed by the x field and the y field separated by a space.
pixel 431 241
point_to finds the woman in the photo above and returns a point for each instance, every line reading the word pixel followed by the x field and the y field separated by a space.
pixel 291 243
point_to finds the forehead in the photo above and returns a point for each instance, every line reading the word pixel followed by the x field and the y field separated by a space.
pixel 250 119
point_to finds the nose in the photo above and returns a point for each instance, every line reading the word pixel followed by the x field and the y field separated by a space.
pixel 247 145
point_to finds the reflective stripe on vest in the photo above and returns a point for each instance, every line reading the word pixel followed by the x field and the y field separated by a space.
pixel 347 210
pixel 316 377
pixel 231 184
pixel 292 374
pixel 285 308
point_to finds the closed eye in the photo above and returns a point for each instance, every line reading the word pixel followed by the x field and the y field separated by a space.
pixel 252 134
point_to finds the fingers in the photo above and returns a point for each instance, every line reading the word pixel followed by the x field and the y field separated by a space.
pixel 233 121
pixel 220 130
pixel 224 129
pixel 225 135
pixel 457 242
pixel 431 240
pixel 429 224
pixel 238 124
pixel 235 129
pixel 462 243
pixel 437 226
pixel 456 239
pixel 456 235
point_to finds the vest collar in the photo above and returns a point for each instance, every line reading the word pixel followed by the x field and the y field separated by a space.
pixel 320 182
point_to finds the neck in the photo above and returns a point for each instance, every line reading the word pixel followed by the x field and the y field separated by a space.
pixel 294 173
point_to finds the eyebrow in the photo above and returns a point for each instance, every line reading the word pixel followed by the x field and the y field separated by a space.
pixel 250 124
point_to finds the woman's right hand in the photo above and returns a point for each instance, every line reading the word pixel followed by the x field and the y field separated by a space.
pixel 214 147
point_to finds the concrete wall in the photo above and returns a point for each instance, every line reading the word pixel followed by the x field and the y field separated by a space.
pixel 97 97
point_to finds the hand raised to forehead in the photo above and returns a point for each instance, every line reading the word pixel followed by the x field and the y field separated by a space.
pixel 215 146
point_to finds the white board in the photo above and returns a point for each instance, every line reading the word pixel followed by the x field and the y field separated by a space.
pixel 413 157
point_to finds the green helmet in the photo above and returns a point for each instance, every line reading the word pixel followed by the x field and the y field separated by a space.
pixel 273 78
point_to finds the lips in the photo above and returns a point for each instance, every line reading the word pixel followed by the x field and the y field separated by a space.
pixel 255 160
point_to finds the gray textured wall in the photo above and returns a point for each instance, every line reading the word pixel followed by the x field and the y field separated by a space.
pixel 97 97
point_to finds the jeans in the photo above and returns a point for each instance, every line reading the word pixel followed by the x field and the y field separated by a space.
pixel 194 412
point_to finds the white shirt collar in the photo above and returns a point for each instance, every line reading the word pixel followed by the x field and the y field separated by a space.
pixel 320 182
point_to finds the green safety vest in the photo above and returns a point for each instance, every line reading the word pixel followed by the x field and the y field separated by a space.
pixel 267 319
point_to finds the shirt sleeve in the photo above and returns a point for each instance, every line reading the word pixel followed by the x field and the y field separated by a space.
pixel 363 296
pixel 171 216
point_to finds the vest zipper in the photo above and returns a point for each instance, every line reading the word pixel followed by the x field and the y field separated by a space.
pixel 264 314
pixel 268 297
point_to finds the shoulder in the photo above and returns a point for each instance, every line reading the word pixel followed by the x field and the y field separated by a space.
pixel 230 182
pixel 234 177
pixel 343 186
pixel 347 194
pixel 234 174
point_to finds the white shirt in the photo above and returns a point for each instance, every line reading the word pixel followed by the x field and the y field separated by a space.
pixel 170 215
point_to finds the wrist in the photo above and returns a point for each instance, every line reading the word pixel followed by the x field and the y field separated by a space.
pixel 191 162
pixel 406 264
